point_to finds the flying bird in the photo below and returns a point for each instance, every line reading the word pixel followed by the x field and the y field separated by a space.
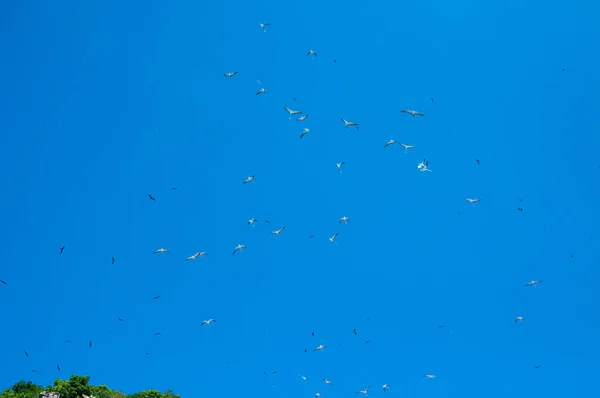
pixel 533 283
pixel 344 220
pixel 207 322
pixel 430 376
pixel 385 387
pixel 230 74
pixel 193 256
pixel 304 132
pixel 519 319
pixel 248 179
pixel 3 282
pixel 34 370
pixel 332 239
pixel 261 91
pixel 156 297
pixel 277 232
pixel 312 52
pixel 339 166
pixel 58 367
pixel 349 124
pixel 161 250
pixel 26 354
pixel 432 99
pixel 411 112
pixel 239 247
pixel 367 342
pixel 252 221
pixel 390 142
pixel 121 319
pixel 355 333
pixel 424 165
pixel 291 112
pixel 520 209
pixel 62 249
pixel 538 366
pixel 268 222
pixel 151 197
pixel 319 348
pixel 365 391
pixel 301 118
pixel 303 377
pixel 472 201
pixel 478 161
pixel 90 344
pixel 263 26
pixel 157 334
pixel 407 147
pixel 112 260
pixel 327 382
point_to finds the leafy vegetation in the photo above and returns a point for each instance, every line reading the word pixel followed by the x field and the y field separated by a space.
pixel 76 387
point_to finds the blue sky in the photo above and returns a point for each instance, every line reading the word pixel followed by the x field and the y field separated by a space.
pixel 105 102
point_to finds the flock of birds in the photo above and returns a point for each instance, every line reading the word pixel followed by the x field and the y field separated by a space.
pixel 422 166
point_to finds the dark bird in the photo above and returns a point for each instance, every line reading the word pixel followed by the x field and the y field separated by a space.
pixel 538 366
pixel 26 354
pixel 312 334
pixel 264 373
pixel 477 160
pixel 58 367
pixel 440 326
pixel 312 236
pixel 157 334
pixel 230 74
pixel 173 189
pixel 90 344
pixel 67 341
pixel 367 342
pixel 156 297
pixel 431 99
pixel 305 350
pixel 34 371
pixel 62 249
pixel 146 353
pixel 121 319
pixel 294 98
pixel 4 283
pixel 520 209
pixel 334 61
pixel 268 222
pixel 113 260
pixel 151 197
pixel 355 333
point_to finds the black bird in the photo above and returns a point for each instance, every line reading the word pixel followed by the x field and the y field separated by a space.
pixel 34 371
pixel 477 160
pixel 146 353
pixel 157 334
pixel 313 333
pixel 367 342
pixel 62 249
pixel 4 283
pixel 538 366
pixel 520 209
pixel 90 345
pixel 58 367
pixel 355 332
pixel 312 236
pixel 121 319
pixel 334 61
pixel 440 326
pixel 156 297
pixel 431 99
pixel 26 354
pixel 67 341
pixel 305 350
pixel 268 222
pixel 294 98
pixel 151 197
pixel 113 260
pixel 173 189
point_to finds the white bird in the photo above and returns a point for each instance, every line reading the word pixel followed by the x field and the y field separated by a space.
pixel 519 319
pixel 264 25
pixel 424 165
pixel 344 220
pixel 327 381
pixel 411 112
pixel 301 118
pixel 193 257
pixel 161 250
pixel 407 147
pixel 319 348
pixel 365 391
pixel 230 74
pixel 261 91
pixel 332 239
pixel 339 166
pixel 304 132
pixel 533 283
pixel 430 376
pixel 207 322
pixel 472 201
pixel 278 231
pixel 239 247
pixel 303 377
pixel 252 221
pixel 390 142
pixel 291 112
pixel 248 179
pixel 349 124
pixel 317 395
pixel 312 52
pixel 385 387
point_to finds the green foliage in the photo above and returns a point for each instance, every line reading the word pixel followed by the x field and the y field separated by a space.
pixel 75 387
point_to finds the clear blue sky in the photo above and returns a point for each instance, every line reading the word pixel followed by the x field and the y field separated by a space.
pixel 104 102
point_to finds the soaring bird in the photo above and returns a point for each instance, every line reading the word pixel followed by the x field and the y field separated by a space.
pixel 365 391
pixel 477 160
pixel 430 376
pixel 263 26
pixel 26 354
pixel 519 319
pixel 390 142
pixel 319 348
pixel 207 322
pixel 412 113
pixel 90 344
pixel 112 260
pixel 161 250
pixel 332 239
pixel 407 147
pixel 312 52
pixel 151 197
pixel 339 166
pixel 349 124
pixel 301 118
pixel 121 319
pixel 538 366
pixel 424 165
pixel 277 232
pixel 268 222
pixel 261 91
pixel 472 201
pixel 239 247
pixel 157 334
pixel 291 112
pixel 3 282
pixel 62 249
pixel 533 283
pixel 230 74
pixel 58 367
pixel 355 332
pixel 252 221
pixel 193 256
pixel 344 220
pixel 304 132
pixel 385 387
pixel 248 179
pixel 303 377
pixel 520 209
pixel 156 297
pixel 327 382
